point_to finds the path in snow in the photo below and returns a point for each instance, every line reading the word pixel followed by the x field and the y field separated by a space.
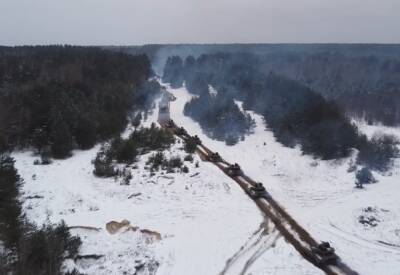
pixel 316 192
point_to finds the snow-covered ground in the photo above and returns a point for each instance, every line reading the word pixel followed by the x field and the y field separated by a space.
pixel 207 224
pixel 320 194
pixel 203 216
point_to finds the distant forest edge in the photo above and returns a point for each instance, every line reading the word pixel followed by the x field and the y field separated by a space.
pixel 364 79
pixel 58 98
pixel 293 110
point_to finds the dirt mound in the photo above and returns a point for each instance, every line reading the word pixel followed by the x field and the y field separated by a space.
pixel 114 227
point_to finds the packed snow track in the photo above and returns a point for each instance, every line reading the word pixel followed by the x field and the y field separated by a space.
pixel 319 254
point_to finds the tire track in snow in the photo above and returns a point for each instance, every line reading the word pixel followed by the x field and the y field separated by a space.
pixel 360 241
pixel 258 243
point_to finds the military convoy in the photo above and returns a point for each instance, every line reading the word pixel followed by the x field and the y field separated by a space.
pixel 323 253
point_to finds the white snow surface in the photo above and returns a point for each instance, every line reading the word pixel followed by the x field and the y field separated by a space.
pixel 204 217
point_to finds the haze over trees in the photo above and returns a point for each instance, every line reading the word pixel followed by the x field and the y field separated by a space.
pixel 219 116
pixel 217 113
pixel 294 111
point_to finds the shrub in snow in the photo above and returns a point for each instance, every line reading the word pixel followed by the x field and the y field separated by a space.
pixel 190 146
pixel 152 138
pixel 156 160
pixel 364 176
pixel 103 165
pixel 189 158
pixel 379 152
pixel 124 150
pixel 126 177
pixel 368 220
pixel 175 162
pixel 185 169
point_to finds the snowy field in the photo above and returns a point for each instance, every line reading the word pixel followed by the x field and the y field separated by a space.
pixel 207 224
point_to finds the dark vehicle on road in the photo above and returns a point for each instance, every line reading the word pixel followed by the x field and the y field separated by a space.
pixel 215 157
pixel 170 123
pixel 324 254
pixel 196 140
pixel 234 170
pixel 258 191
pixel 181 131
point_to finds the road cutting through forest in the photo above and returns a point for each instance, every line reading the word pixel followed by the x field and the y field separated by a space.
pixel 320 255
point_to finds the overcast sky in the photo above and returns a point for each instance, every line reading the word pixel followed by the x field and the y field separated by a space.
pixel 129 22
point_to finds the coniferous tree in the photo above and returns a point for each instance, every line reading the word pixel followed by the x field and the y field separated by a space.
pixel 173 71
pixel 61 138
pixel 85 133
pixel 10 207
pixel 40 138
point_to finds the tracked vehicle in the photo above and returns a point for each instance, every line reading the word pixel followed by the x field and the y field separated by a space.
pixel 234 170
pixel 258 191
pixel 324 254
pixel 215 157
pixel 196 140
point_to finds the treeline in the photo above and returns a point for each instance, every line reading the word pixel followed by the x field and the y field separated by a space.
pixel 354 75
pixel 295 113
pixel 366 85
pixel 215 110
pixel 219 116
pixel 380 106
pixel 26 249
pixel 58 98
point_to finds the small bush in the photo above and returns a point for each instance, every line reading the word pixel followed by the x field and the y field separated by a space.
pixel 190 146
pixel 189 158
pixel 103 164
pixel 124 151
pixel 185 169
pixel 175 162
pixel 156 160
pixel 364 176
pixel 126 177
pixel 379 152
pixel 153 138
